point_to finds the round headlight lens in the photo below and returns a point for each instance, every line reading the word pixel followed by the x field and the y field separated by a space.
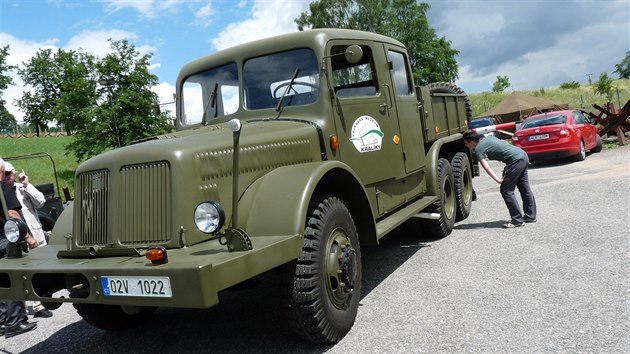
pixel 209 217
pixel 12 230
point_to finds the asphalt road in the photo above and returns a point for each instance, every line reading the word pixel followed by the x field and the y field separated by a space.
pixel 560 285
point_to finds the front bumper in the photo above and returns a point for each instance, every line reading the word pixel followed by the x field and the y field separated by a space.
pixel 197 273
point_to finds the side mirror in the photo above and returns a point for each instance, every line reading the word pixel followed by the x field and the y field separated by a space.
pixel 354 54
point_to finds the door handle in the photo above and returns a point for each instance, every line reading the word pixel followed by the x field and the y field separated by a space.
pixel 388 97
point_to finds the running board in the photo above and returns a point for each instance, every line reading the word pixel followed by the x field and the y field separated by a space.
pixel 430 216
pixel 395 219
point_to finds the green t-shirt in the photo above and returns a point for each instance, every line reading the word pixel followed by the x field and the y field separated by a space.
pixel 492 148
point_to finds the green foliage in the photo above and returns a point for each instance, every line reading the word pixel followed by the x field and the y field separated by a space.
pixel 128 109
pixel 40 170
pixel 105 102
pixel 432 58
pixel 623 68
pixel 501 84
pixel 604 86
pixel 6 118
pixel 569 85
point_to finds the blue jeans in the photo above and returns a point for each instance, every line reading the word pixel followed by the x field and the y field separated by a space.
pixel 515 176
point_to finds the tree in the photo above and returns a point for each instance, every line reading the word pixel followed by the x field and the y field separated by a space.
pixel 61 87
pixel 432 58
pixel 501 84
pixel 623 68
pixel 604 86
pixel 126 107
pixel 6 118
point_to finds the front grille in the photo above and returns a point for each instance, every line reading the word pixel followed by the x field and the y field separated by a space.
pixel 93 195
pixel 143 198
pixel 144 212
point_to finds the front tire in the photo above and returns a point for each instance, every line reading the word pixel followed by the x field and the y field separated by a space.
pixel 113 317
pixel 462 176
pixel 326 284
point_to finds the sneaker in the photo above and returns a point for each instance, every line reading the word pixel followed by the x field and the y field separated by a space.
pixel 512 224
pixel 530 220
pixel 19 329
pixel 45 313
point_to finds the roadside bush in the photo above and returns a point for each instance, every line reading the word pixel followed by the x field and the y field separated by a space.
pixel 569 85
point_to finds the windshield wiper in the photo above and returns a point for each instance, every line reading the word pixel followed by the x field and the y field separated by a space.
pixel 212 103
pixel 279 106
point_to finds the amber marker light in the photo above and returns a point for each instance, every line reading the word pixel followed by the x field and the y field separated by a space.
pixel 396 139
pixel 334 142
pixel 157 255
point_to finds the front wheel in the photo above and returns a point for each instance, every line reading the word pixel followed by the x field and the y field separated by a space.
pixel 326 285
pixel 114 317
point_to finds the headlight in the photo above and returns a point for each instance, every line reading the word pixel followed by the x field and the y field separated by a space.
pixel 209 217
pixel 14 230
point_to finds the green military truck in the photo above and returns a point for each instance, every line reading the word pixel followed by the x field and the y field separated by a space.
pixel 290 154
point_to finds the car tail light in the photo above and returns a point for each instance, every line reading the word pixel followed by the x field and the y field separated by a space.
pixel 514 138
pixel 565 132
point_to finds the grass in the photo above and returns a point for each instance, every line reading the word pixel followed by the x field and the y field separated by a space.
pixel 40 169
pixel 581 97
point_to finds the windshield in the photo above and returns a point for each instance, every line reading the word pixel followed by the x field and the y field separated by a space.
pixel 210 94
pixel 476 123
pixel 292 76
pixel 551 119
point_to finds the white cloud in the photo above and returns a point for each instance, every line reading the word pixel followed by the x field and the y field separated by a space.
pixel 165 94
pixel 203 16
pixel 268 18
pixel 146 8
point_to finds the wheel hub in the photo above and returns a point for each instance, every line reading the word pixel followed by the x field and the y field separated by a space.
pixel 341 269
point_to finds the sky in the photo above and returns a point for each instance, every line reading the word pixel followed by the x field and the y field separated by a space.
pixel 535 43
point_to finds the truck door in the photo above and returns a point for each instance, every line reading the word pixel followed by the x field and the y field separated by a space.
pixel 365 116
pixel 406 107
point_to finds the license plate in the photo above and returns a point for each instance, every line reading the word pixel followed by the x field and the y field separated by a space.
pixel 136 286
pixel 539 137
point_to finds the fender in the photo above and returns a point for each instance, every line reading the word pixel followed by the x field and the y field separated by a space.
pixel 433 156
pixel 63 225
pixel 277 203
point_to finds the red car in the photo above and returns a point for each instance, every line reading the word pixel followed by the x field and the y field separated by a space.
pixel 557 134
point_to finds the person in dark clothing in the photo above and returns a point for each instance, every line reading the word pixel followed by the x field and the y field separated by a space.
pixel 514 174
pixel 13 318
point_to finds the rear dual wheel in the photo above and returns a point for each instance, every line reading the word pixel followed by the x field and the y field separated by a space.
pixel 444 208
pixel 462 177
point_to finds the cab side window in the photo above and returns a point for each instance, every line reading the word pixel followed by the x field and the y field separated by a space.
pixel 400 75
pixel 352 80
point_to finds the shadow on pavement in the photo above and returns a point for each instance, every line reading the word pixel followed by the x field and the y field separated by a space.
pixel 245 321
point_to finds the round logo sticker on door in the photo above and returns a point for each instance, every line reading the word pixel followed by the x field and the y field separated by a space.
pixel 366 134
